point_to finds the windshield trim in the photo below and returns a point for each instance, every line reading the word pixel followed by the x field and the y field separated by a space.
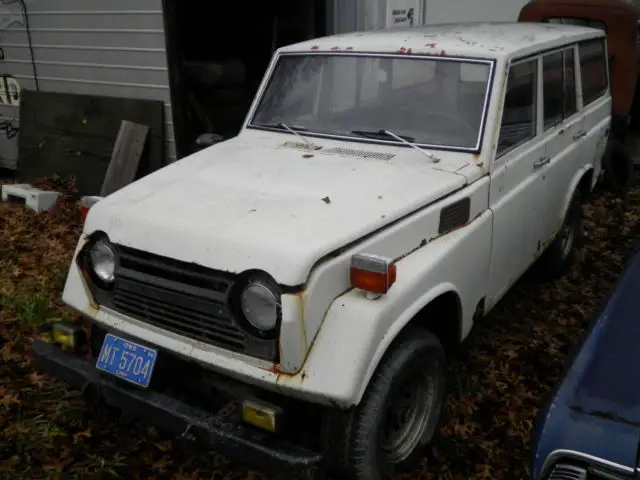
pixel 451 148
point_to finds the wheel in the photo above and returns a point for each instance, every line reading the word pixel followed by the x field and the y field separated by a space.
pixel 398 415
pixel 618 167
pixel 558 256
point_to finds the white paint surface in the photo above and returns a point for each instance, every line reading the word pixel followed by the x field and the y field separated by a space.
pixel 239 206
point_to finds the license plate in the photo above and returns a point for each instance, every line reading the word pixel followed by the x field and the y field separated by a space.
pixel 130 361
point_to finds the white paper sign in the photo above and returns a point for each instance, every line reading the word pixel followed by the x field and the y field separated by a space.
pixel 403 13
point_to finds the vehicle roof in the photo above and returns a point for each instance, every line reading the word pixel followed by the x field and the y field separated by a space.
pixel 480 40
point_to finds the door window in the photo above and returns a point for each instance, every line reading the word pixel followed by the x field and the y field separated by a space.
pixel 559 87
pixel 519 113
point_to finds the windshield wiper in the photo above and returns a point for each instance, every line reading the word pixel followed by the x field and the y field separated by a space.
pixel 404 139
pixel 292 129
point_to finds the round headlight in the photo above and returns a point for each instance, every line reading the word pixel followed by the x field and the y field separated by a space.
pixel 260 306
pixel 102 260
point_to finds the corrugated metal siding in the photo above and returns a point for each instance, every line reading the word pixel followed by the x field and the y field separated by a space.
pixel 94 47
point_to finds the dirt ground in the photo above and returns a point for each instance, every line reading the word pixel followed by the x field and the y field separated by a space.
pixel 497 386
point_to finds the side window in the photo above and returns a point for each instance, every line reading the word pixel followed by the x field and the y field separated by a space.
pixel 569 84
pixel 559 87
pixel 593 70
pixel 519 113
pixel 552 88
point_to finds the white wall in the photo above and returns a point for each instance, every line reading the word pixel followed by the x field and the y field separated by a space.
pixel 110 47
pixel 452 11
pixel 351 15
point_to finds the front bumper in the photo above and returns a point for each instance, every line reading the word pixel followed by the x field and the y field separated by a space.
pixel 224 433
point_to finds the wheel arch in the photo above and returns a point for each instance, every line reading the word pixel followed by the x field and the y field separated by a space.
pixel 582 182
pixel 445 305
pixel 585 184
pixel 442 299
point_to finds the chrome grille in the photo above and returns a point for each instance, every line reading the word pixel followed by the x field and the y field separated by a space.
pixel 183 298
pixel 568 472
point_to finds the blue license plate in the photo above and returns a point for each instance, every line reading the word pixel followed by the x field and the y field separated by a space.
pixel 130 361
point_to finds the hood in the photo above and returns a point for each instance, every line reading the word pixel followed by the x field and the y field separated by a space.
pixel 596 408
pixel 237 206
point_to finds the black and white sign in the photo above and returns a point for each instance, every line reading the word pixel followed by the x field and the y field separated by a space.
pixel 403 13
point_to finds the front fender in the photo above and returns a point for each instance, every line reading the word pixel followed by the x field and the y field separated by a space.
pixel 357 331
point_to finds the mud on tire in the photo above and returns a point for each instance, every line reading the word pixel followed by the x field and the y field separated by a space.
pixel 398 415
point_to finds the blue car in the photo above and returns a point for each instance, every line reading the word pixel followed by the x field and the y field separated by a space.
pixel 590 427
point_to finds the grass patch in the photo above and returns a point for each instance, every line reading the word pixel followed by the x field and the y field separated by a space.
pixel 32 310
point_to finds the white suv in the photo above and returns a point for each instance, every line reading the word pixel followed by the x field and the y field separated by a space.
pixel 308 277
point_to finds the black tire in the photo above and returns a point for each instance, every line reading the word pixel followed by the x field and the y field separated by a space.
pixel 354 439
pixel 557 258
pixel 618 168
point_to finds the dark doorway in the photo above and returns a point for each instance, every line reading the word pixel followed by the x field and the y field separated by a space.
pixel 218 53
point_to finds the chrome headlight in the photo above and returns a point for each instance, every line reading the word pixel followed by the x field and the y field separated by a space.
pixel 101 258
pixel 260 305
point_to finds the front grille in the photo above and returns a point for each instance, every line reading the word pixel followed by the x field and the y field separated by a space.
pixel 568 472
pixel 183 298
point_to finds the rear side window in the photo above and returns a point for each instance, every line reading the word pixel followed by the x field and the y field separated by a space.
pixel 593 70
pixel 559 87
pixel 519 113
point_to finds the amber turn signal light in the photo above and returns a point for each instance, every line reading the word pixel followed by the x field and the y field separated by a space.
pixel 372 273
pixel 262 415
pixel 68 335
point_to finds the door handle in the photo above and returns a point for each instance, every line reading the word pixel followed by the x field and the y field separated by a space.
pixel 541 162
pixel 579 135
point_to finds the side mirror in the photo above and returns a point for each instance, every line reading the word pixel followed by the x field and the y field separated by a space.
pixel 206 140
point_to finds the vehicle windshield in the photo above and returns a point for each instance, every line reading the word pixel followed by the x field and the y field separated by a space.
pixel 437 102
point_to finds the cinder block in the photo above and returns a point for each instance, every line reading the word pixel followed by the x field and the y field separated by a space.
pixel 29 196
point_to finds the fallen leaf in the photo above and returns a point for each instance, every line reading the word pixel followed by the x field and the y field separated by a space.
pixel 164 446
pixel 161 464
pixel 80 435
pixel 37 379
pixel 10 399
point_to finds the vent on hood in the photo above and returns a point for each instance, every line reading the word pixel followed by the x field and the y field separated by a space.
pixel 351 152
pixel 347 152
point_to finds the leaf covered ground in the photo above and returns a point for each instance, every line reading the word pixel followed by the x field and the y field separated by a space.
pixel 498 382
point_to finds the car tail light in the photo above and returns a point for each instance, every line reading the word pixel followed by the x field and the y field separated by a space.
pixel 372 273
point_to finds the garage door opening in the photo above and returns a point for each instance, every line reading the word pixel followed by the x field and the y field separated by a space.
pixel 217 54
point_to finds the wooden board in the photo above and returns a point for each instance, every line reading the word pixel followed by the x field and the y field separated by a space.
pixel 125 159
pixel 74 135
